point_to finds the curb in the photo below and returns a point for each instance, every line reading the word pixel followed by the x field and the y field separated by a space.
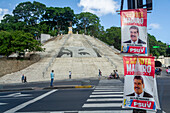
pixel 5 90
pixel 55 87
pixel 68 87
pixel 87 86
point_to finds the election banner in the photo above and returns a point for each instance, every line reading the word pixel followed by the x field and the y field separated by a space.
pixel 140 89
pixel 134 31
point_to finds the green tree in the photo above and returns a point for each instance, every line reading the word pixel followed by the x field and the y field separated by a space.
pixel 6 47
pixel 58 18
pixel 18 41
pixel 43 27
pixel 23 11
pixel 25 42
pixel 112 36
pixel 158 51
pixel 96 30
pixel 7 18
pixel 38 11
pixel 29 12
pixel 168 52
pixel 85 20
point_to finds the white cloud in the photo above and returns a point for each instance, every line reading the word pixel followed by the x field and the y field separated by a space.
pixel 154 26
pixel 3 12
pixel 99 7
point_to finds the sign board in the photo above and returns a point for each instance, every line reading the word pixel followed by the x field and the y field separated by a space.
pixel 140 89
pixel 134 31
pixel 156 46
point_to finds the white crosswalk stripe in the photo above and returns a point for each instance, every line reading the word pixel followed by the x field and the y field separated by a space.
pixel 108 99
pixel 103 105
pixel 3 104
pixel 106 95
pixel 106 92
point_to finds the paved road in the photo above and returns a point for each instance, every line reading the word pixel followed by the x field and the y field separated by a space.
pixel 9 100
pixel 105 97
pixel 164 93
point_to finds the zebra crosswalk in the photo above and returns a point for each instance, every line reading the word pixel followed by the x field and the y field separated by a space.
pixel 108 95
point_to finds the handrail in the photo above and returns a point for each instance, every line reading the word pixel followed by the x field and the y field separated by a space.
pixel 54 57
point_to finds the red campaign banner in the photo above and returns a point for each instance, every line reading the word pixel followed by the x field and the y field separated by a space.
pixel 136 49
pixel 140 83
pixel 143 104
pixel 134 31
pixel 146 64
pixel 136 17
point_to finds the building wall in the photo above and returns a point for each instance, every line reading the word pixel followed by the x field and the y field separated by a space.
pixel 164 60
pixel 45 37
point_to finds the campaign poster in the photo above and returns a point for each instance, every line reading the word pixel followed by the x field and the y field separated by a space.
pixel 134 31
pixel 140 89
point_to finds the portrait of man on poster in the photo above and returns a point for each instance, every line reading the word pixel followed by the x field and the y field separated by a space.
pixel 139 88
pixel 134 35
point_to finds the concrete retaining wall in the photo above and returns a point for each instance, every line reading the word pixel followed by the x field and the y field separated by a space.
pixel 12 64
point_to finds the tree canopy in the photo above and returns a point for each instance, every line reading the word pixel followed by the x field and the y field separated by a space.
pixel 86 20
pixel 16 42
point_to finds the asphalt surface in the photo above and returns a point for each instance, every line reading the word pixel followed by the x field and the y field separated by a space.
pixel 67 100
pixel 9 100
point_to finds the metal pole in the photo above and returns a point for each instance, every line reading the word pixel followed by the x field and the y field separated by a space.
pixel 122 1
pixel 148 44
pixel 136 3
pixel 131 3
pixel 138 110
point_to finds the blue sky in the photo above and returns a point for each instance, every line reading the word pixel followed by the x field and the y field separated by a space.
pixel 158 20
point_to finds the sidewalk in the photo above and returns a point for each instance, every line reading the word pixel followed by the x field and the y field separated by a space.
pixel 58 84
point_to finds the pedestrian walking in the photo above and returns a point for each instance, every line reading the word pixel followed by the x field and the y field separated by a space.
pixel 22 78
pixel 69 74
pixel 25 79
pixel 100 73
pixel 52 78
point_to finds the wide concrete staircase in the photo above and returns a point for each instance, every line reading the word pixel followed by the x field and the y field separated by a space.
pixel 82 55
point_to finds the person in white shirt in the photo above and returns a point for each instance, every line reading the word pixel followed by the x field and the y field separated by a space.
pixel 69 74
